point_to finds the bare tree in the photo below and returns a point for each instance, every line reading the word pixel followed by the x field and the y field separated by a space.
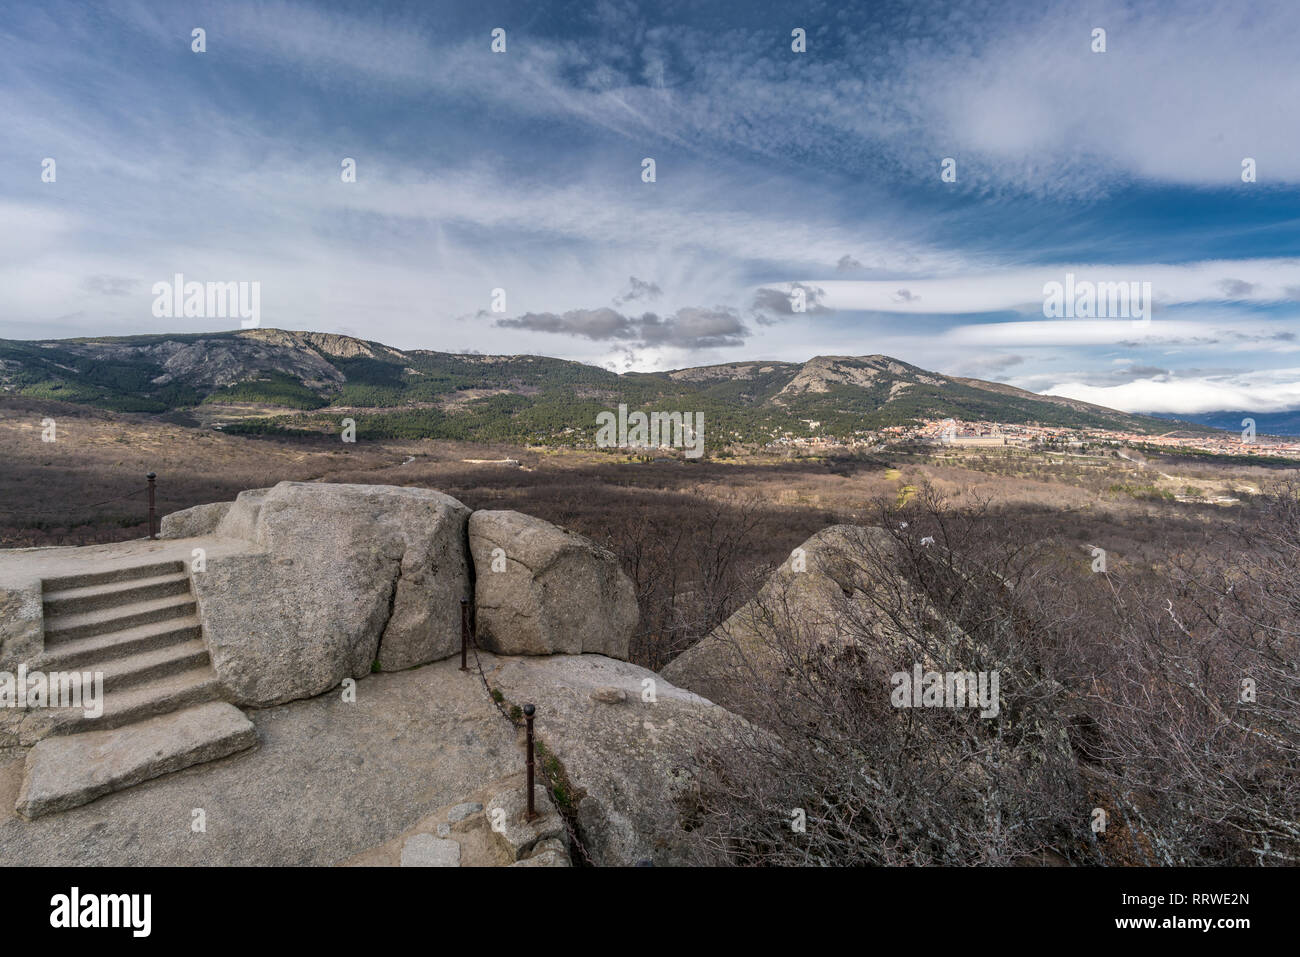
pixel 871 782
pixel 691 568
pixel 1144 718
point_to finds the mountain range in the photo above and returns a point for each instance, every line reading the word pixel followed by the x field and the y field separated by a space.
pixel 272 380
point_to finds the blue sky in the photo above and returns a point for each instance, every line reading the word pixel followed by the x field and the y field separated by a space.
pixel 522 171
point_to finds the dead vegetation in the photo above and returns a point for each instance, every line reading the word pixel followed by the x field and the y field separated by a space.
pixel 1147 717
pixel 1127 685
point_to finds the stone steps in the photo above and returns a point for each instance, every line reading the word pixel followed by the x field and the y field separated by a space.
pixel 155 663
pixel 119 574
pixel 113 594
pixel 78 652
pixel 66 772
pixel 136 702
pixel 138 627
pixel 99 621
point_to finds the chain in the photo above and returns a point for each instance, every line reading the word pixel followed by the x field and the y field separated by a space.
pixel 546 772
pixel 70 508
pixel 478 665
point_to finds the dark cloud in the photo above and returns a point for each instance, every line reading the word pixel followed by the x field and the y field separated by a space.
pixel 1210 340
pixel 772 305
pixel 906 295
pixel 597 324
pixel 1236 288
pixel 696 327
pixel 1124 374
pixel 1142 372
pixel 847 264
pixel 110 285
pixel 638 289
pixel 991 365
pixel 691 328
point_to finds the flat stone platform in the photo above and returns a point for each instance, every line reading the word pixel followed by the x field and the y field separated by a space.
pixel 327 780
pixel 20 565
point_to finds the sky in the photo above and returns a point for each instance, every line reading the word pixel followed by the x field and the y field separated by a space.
pixel 920 174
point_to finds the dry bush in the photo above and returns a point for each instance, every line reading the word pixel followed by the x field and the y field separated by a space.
pixel 693 567
pixel 886 785
pixel 1117 692
pixel 1198 774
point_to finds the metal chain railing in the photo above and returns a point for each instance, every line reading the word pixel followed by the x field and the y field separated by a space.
pixel 149 488
pixel 469 641
pixel 25 514
pixel 68 508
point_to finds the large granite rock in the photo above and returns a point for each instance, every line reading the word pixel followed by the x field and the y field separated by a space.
pixel 541 590
pixel 632 765
pixel 337 577
pixel 814 601
pixel 193 522
pixel 230 520
pixel 240 520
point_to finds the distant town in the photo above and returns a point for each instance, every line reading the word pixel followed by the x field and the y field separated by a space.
pixel 960 434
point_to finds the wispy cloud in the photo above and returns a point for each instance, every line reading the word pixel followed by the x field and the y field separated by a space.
pixel 521 171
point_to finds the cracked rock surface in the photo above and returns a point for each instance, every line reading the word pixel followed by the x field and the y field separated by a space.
pixel 334 578
pixel 540 590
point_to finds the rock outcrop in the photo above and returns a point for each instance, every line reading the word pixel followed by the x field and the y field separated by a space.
pixel 420 751
pixel 336 578
pixel 21 623
pixel 193 522
pixel 813 597
pixel 518 837
pixel 541 590
pixel 240 518
pixel 631 762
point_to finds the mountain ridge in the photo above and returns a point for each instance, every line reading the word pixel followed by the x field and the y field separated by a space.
pixel 296 376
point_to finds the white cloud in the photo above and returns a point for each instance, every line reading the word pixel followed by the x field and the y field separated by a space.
pixel 1265 391
pixel 146 190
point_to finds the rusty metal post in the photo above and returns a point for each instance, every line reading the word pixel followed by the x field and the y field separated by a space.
pixel 529 711
pixel 464 632
pixel 151 476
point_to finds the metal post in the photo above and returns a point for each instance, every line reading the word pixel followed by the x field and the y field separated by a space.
pixel 151 476
pixel 464 632
pixel 529 710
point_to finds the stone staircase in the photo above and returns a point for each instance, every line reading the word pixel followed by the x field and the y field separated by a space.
pixel 138 626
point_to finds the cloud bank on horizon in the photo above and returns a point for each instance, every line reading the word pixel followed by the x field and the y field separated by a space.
pixel 913 179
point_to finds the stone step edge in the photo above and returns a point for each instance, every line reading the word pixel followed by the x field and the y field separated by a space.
pixel 121 573
pixel 112 594
pixel 73 654
pixel 102 621
pixel 156 697
pixel 66 772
